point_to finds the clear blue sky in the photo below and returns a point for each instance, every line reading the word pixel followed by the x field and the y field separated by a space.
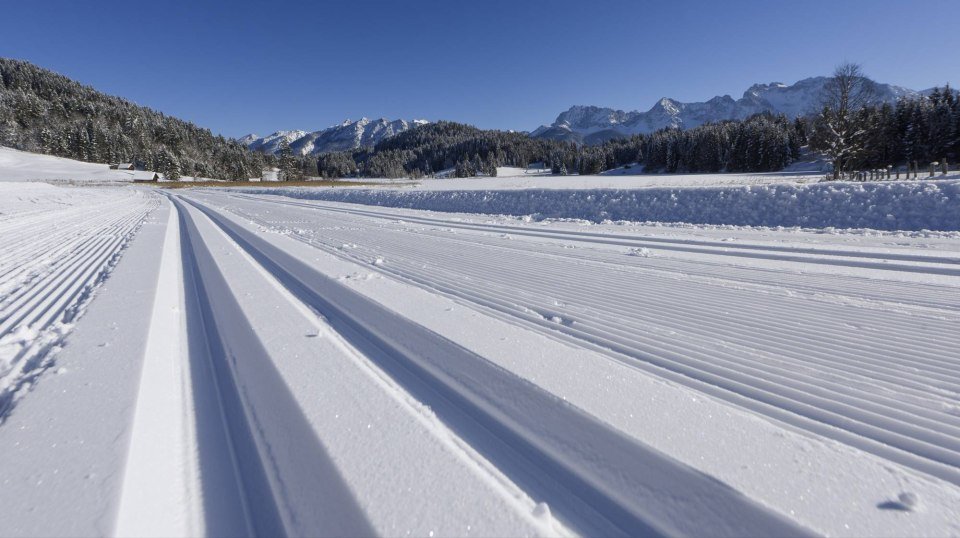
pixel 239 67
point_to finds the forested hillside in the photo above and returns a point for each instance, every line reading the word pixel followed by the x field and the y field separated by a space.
pixel 41 111
pixel 44 112
pixel 757 144
pixel 438 146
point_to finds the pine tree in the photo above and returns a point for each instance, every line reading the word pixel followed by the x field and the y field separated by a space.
pixel 800 130
pixel 915 139
pixel 287 163
pixel 173 170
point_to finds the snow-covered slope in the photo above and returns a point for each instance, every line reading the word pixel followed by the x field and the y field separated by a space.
pixel 591 124
pixel 18 165
pixel 345 136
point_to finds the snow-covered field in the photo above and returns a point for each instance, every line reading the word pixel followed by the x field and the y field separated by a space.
pixel 24 166
pixel 258 364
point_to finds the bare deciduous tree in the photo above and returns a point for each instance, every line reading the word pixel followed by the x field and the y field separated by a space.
pixel 848 90
pixel 840 135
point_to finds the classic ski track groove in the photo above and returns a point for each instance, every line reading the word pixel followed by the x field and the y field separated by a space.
pixel 473 410
pixel 894 292
pixel 50 262
pixel 871 402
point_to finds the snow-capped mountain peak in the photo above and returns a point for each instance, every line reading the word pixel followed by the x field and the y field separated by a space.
pixel 270 143
pixel 345 136
pixel 592 124
pixel 668 105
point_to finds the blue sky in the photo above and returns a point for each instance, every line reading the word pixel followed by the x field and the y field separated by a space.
pixel 239 67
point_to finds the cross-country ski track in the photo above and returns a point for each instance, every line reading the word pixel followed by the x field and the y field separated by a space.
pixel 215 362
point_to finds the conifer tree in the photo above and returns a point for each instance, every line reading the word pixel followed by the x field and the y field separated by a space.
pixel 286 162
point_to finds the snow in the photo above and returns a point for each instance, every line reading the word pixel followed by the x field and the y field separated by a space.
pixel 756 200
pixel 161 489
pixel 485 293
pixel 392 456
pixel 65 443
pixel 506 172
pixel 57 244
pixel 18 165
pixel 275 361
pixel 510 178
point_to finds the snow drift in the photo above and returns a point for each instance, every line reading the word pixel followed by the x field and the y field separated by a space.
pixel 917 205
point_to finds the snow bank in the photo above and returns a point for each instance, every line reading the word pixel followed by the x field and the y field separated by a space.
pixel 610 180
pixel 915 205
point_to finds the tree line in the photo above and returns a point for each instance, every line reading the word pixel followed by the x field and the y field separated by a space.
pixel 757 144
pixel 857 133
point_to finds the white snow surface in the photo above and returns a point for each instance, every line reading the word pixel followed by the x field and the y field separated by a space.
pixel 771 200
pixel 20 166
pixel 265 362
pixel 814 350
pixel 57 245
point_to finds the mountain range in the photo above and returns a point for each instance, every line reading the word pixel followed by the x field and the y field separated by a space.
pixel 346 136
pixel 593 125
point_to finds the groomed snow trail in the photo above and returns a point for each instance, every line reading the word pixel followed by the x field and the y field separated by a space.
pixel 263 366
pixel 56 246
pixel 291 431
pixel 853 344
pixel 537 440
pixel 801 348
